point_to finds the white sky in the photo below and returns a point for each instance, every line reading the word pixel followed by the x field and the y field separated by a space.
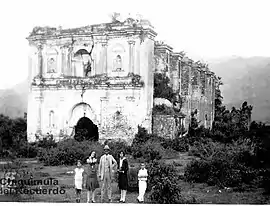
pixel 205 29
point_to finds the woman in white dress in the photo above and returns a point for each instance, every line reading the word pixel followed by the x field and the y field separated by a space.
pixel 78 180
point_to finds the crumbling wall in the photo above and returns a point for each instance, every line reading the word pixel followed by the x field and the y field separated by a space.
pixel 164 126
pixel 185 80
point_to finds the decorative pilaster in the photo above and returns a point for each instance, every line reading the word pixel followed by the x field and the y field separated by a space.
pixel 40 60
pixel 138 61
pixel 63 60
pixel 39 99
pixel 213 97
pixel 104 58
pixel 180 76
pixel 131 56
pixel 69 66
pixel 103 111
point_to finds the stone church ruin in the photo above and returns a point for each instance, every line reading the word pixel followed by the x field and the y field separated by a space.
pixel 103 76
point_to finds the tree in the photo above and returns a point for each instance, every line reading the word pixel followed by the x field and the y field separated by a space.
pixel 162 88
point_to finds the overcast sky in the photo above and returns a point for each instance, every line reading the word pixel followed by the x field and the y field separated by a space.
pixel 205 29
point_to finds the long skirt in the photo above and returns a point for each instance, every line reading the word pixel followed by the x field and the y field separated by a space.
pixel 91 182
pixel 123 181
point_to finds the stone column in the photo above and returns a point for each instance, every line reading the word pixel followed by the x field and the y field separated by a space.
pixel 69 62
pixel 138 63
pixel 213 97
pixel 104 58
pixel 103 112
pixel 39 99
pixel 131 56
pixel 180 76
pixel 40 60
pixel 63 60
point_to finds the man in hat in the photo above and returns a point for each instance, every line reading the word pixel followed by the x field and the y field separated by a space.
pixel 105 172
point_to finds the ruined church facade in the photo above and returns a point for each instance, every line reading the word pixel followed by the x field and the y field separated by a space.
pixel 102 72
pixel 105 73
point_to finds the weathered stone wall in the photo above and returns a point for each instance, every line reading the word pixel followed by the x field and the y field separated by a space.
pixel 164 126
pixel 119 84
pixel 198 91
pixel 185 80
pixel 101 107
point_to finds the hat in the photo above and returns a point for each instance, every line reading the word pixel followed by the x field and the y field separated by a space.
pixel 106 147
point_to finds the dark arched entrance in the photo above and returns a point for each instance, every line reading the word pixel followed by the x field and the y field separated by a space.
pixel 86 130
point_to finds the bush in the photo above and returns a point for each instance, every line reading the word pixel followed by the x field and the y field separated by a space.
pixel 27 150
pixel 163 182
pixel 163 110
pixel 265 183
pixel 220 171
pixel 197 171
pixel 141 137
pixel 47 142
pixel 179 144
pixel 69 151
pixel 149 151
pixel 116 146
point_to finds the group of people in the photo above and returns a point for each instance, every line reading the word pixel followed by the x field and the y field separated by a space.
pixel 102 173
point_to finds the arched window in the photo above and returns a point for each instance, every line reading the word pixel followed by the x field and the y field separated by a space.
pixel 118 63
pixel 51 119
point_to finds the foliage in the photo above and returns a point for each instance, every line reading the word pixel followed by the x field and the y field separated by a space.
pixel 13 135
pixel 27 150
pixel 149 151
pixel 68 152
pixel 229 125
pixel 117 146
pixel 179 144
pixel 81 135
pixel 162 88
pixel 141 137
pixel 162 110
pixel 163 181
pixel 46 142
pixel 220 164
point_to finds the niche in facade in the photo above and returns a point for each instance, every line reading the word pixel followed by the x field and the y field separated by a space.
pixel 51 119
pixel 82 62
pixel 52 61
pixel 118 55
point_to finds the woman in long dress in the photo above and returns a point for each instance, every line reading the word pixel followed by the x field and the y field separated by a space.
pixel 91 178
pixel 123 176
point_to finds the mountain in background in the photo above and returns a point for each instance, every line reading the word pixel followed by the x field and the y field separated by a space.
pixel 245 79
pixel 13 101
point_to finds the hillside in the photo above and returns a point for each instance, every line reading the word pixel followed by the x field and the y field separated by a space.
pixel 13 101
pixel 246 79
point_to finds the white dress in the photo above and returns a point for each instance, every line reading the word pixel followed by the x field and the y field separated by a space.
pixel 78 178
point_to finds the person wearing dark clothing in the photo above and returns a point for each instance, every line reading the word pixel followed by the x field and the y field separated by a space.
pixel 123 176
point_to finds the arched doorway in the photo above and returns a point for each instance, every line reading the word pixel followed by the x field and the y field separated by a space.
pixel 86 130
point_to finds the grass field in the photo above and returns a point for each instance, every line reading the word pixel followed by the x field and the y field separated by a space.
pixel 202 193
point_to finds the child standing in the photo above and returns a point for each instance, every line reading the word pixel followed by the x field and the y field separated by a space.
pixel 142 177
pixel 78 180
